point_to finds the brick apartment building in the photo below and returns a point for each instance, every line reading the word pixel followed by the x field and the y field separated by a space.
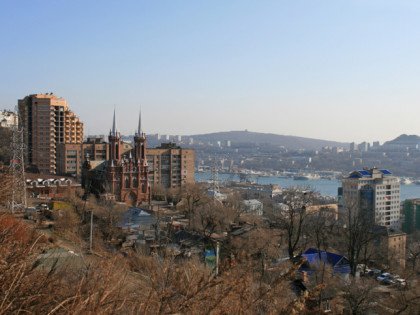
pixel 170 165
pixel 70 157
pixel 47 122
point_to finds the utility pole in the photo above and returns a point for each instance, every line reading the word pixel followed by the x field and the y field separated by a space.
pixel 17 169
pixel 91 230
pixel 217 258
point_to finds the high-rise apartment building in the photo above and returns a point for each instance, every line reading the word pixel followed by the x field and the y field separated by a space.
pixel 411 216
pixel 375 192
pixel 47 122
pixel 170 165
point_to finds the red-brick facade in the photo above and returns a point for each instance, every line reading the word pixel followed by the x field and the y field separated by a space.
pixel 123 178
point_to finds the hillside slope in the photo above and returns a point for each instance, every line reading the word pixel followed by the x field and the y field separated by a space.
pixel 290 142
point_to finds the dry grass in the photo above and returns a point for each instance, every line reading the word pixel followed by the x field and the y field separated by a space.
pixel 117 285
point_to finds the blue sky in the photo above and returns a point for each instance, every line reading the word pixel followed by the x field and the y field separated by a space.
pixel 336 70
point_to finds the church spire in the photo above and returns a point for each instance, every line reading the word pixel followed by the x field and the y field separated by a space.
pixel 139 126
pixel 114 126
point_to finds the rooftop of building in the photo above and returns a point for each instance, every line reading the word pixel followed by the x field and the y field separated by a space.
pixel 47 95
pixel 169 145
pixel 35 176
pixel 370 173
pixel 339 263
pixel 95 140
pixel 386 231
pixel 252 202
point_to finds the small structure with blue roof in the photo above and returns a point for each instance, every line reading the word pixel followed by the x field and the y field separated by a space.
pixel 338 263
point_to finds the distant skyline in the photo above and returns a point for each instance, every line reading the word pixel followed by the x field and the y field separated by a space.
pixel 333 70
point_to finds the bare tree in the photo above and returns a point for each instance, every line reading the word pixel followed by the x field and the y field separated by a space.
pixel 413 254
pixel 192 197
pixel 234 201
pixel 107 214
pixel 5 184
pixel 158 192
pixel 359 297
pixel 320 228
pixel 357 233
pixel 292 218
pixel 406 299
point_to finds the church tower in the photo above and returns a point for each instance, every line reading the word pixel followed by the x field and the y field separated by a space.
pixel 139 144
pixel 128 177
pixel 114 139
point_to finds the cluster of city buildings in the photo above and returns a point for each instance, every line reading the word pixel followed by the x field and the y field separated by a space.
pixel 125 171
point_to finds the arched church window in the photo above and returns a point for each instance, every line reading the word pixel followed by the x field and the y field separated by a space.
pixel 135 183
pixel 127 182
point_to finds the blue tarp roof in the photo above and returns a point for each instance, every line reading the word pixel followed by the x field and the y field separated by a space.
pixel 386 172
pixel 338 262
pixel 365 173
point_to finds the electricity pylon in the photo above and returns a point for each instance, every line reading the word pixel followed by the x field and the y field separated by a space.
pixel 17 199
pixel 215 181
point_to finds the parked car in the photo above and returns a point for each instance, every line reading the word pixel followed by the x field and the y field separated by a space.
pixel 375 272
pixel 388 281
pixel 401 282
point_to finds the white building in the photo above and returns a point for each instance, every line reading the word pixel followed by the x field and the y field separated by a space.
pixel 252 206
pixel 8 119
pixel 376 191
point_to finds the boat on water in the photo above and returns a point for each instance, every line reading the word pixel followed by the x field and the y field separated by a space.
pixel 406 181
pixel 306 177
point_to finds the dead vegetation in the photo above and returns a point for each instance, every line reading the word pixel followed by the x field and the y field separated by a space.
pixel 139 284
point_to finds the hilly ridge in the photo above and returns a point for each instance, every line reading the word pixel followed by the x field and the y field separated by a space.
pixel 257 138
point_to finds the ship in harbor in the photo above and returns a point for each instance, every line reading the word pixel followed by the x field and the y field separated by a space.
pixel 306 177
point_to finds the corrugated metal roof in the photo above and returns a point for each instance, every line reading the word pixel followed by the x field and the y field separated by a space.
pixel 338 262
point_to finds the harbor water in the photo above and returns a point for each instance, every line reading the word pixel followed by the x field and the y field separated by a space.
pixel 326 187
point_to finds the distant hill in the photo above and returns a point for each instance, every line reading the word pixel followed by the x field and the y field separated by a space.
pixel 290 142
pixel 405 139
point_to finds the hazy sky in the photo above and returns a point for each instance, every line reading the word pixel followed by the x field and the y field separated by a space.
pixel 335 70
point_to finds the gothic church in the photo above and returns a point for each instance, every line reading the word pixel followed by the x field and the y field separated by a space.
pixel 121 178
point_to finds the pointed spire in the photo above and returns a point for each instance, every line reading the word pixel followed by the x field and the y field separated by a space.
pixel 114 126
pixel 139 126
